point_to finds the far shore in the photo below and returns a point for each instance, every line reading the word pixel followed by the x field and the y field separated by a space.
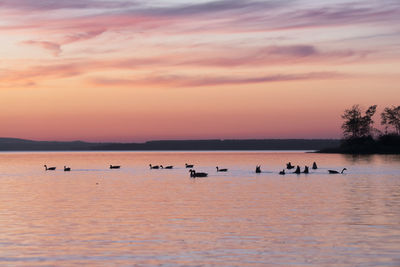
pixel 385 144
pixel 13 144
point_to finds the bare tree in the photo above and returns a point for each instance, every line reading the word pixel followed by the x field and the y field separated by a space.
pixel 391 117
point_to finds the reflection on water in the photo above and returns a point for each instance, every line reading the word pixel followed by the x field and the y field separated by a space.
pixel 134 215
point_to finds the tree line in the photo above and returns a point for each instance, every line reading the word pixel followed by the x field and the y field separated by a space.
pixel 359 125
pixel 360 135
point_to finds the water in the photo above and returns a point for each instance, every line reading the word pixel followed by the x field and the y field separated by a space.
pixel 137 216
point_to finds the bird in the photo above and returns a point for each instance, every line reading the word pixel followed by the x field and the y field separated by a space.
pixel 297 171
pixel 314 166
pixel 114 167
pixel 258 169
pixel 154 167
pixel 282 172
pixel 189 165
pixel 335 172
pixel 67 169
pixel 306 169
pixel 221 170
pixel 289 166
pixel 166 167
pixel 195 174
pixel 50 168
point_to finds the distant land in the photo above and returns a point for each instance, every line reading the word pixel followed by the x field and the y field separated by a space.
pixel 384 144
pixel 14 144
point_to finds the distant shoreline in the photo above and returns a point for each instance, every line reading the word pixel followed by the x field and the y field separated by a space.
pixel 384 145
pixel 22 145
pixel 357 152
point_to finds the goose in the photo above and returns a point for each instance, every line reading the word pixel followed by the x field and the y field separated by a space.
pixel 306 169
pixel 195 174
pixel 335 172
pixel 258 169
pixel 50 168
pixel 67 169
pixel 221 170
pixel 189 165
pixel 297 171
pixel 154 167
pixel 289 166
pixel 166 167
pixel 282 172
pixel 114 167
pixel 314 166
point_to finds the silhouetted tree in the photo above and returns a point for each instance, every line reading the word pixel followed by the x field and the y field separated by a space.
pixel 391 117
pixel 356 125
pixel 367 123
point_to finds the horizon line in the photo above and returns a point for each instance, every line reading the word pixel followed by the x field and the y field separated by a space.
pixel 170 140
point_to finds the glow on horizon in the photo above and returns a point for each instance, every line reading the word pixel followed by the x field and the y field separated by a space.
pixel 143 70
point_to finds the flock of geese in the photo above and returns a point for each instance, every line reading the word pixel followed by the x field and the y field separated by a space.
pixel 306 170
pixel 195 174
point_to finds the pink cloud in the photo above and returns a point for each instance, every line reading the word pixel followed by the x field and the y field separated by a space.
pixel 212 80
pixel 81 36
pixel 54 48
pixel 224 60
pixel 213 16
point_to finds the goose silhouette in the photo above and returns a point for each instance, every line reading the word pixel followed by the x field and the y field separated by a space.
pixel 289 166
pixel 297 171
pixel 335 172
pixel 221 170
pixel 166 167
pixel 314 166
pixel 50 168
pixel 154 167
pixel 282 172
pixel 67 169
pixel 114 167
pixel 258 169
pixel 306 170
pixel 189 165
pixel 195 174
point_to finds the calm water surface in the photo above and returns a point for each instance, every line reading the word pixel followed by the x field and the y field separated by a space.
pixel 137 216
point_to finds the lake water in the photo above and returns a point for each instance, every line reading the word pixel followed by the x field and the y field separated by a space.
pixel 137 216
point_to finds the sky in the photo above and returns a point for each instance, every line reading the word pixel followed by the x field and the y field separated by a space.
pixel 137 70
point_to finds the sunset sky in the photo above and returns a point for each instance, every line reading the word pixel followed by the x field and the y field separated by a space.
pixel 115 70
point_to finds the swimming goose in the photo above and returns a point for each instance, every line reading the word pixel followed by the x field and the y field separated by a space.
pixel 289 166
pixel 189 165
pixel 221 170
pixel 258 169
pixel 166 167
pixel 67 169
pixel 306 169
pixel 297 171
pixel 195 174
pixel 154 167
pixel 314 166
pixel 335 172
pixel 282 172
pixel 50 168
pixel 114 167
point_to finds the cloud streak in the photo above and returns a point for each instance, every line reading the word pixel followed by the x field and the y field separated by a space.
pixel 46 5
pixel 221 16
pixel 224 60
pixel 54 48
pixel 188 81
pixel 212 20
